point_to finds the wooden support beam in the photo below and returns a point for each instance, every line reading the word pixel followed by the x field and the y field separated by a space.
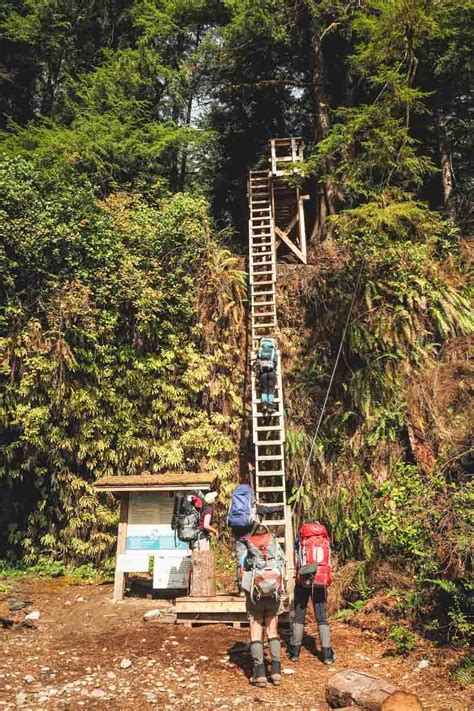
pixel 120 579
pixel 302 229
pixel 289 244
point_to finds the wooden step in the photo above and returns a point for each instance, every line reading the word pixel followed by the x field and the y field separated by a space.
pixel 271 474
pixel 262 314
pixel 274 522
pixel 269 489
pixel 268 458
pixel 269 443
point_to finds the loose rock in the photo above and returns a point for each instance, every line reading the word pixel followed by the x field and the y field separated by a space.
pixel 16 605
pixel 98 694
pixel 424 664
pixel 35 615
pixel 151 615
pixel 125 664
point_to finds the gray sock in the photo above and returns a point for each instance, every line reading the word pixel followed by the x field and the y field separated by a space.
pixel 297 632
pixel 256 650
pixel 324 635
pixel 275 648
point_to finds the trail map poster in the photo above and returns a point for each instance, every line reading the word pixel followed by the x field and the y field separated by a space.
pixel 149 535
pixel 149 523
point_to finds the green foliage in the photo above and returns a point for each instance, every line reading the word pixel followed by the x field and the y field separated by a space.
pixel 351 608
pixel 464 671
pixel 404 640
pixel 88 573
pixel 102 367
pixel 46 568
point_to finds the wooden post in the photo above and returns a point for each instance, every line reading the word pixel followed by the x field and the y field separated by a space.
pixel 203 577
pixel 302 228
pixel 119 582
pixel 353 688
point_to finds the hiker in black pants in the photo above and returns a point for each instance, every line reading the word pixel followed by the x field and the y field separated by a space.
pixel 302 596
pixel 267 388
pixel 313 576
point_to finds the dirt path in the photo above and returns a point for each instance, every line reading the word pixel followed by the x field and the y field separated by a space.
pixel 71 658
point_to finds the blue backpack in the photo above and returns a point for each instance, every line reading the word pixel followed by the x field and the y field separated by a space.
pixel 242 509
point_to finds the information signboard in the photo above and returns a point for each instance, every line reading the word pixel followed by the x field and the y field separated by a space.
pixel 149 535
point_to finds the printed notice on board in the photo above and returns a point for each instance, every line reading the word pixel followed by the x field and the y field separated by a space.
pixel 149 523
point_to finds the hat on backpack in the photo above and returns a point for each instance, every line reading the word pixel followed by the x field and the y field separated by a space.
pixel 210 497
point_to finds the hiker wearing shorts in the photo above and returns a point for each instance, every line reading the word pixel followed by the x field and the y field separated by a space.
pixel 202 542
pixel 261 604
pixel 239 533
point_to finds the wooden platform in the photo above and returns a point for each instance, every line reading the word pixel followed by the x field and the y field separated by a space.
pixel 220 609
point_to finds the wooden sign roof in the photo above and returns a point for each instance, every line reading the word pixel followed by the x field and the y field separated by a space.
pixel 156 482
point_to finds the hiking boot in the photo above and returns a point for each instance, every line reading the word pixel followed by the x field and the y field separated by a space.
pixel 259 677
pixel 275 673
pixel 329 656
pixel 293 652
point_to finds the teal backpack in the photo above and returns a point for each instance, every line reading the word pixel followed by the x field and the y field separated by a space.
pixel 267 356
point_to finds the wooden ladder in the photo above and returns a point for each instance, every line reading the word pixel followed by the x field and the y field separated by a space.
pixel 268 429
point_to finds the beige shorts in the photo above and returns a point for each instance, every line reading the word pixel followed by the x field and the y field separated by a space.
pixel 202 544
pixel 261 610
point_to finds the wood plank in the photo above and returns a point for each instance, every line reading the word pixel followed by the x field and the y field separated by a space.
pixel 290 244
pixel 201 606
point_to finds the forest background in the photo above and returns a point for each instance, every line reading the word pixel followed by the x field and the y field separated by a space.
pixel 128 129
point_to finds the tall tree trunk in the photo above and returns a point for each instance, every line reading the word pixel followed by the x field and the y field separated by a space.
pixel 327 192
pixel 447 175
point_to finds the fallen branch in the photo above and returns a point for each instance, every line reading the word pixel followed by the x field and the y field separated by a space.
pixel 352 688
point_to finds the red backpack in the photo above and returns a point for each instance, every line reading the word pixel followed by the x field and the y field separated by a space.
pixel 313 556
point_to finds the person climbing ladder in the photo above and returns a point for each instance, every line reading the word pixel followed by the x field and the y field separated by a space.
pixel 266 364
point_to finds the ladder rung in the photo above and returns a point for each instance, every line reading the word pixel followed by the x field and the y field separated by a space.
pixel 269 428
pixel 274 522
pixel 268 458
pixel 269 443
pixel 271 473
pixel 269 489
